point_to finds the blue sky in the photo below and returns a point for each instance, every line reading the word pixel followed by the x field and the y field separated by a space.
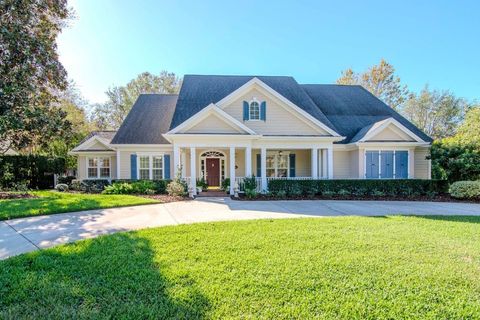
pixel 434 42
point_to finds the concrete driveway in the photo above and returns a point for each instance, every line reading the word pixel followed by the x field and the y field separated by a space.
pixel 28 234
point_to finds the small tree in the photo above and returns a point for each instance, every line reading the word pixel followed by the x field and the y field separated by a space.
pixel 177 187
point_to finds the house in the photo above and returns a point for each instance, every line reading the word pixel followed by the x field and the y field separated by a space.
pixel 272 127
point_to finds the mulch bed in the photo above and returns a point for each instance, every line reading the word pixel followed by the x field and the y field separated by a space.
pixel 165 197
pixel 16 195
pixel 439 198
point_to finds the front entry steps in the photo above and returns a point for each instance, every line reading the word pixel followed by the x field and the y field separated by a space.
pixel 213 193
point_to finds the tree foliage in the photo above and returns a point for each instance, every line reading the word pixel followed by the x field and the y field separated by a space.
pixel 111 114
pixel 30 72
pixel 437 113
pixel 469 130
pixel 381 81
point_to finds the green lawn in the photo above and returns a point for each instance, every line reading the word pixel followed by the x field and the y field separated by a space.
pixel 55 202
pixel 335 268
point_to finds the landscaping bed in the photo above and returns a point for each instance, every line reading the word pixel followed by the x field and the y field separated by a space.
pixel 16 195
pixel 164 198
pixel 330 268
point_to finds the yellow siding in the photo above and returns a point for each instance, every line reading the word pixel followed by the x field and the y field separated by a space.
pixel 354 164
pixel 213 124
pixel 390 135
pixel 341 165
pixel 279 120
pixel 422 165
pixel 125 171
pixel 97 146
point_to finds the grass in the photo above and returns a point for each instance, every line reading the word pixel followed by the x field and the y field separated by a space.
pixel 50 202
pixel 332 268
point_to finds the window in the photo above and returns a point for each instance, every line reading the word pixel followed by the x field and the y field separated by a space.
pixel 254 111
pixel 144 167
pixel 98 167
pixel 277 165
pixel 386 164
pixel 157 167
pixel 150 167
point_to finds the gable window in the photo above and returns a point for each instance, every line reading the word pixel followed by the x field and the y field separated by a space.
pixel 98 167
pixel 254 111
pixel 386 164
pixel 150 167
pixel 277 165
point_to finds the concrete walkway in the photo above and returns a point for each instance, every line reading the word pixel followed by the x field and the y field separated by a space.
pixel 29 234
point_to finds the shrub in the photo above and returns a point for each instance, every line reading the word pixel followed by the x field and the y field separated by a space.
pixel 225 184
pixel 137 187
pixel 62 187
pixel 250 183
pixel 202 183
pixel 95 185
pixel 250 193
pixel 66 180
pixel 391 187
pixel 36 171
pixel 177 188
pixel 465 190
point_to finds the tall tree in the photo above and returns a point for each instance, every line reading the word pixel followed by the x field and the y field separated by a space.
pixel 30 72
pixel 437 113
pixel 381 81
pixel 111 114
pixel 469 130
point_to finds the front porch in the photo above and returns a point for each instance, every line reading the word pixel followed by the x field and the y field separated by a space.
pixel 216 163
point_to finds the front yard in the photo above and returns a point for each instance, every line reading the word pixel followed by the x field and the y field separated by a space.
pixel 49 202
pixel 335 268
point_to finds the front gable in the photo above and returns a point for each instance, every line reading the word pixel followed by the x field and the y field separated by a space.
pixel 214 124
pixel 94 143
pixel 282 116
pixel 389 130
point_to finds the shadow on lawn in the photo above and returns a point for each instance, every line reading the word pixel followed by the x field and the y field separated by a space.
pixel 107 277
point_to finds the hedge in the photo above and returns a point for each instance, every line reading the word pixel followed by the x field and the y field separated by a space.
pixel 33 170
pixel 138 186
pixel 465 190
pixel 397 187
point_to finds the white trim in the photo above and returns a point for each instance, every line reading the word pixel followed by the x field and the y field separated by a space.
pixel 254 100
pixel 222 160
pixel 118 164
pixel 381 125
pixel 150 156
pixel 255 81
pixel 204 113
pixel 98 167
pixel 90 142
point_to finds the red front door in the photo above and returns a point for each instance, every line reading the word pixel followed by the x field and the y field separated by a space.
pixel 213 172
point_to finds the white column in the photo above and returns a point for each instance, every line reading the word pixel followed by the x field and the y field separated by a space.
pixel 176 160
pixel 324 163
pixel 248 161
pixel 232 169
pixel 193 169
pixel 314 163
pixel 118 164
pixel 263 166
pixel 330 162
pixel 183 160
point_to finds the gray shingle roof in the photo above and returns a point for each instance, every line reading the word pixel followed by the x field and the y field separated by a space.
pixel 150 116
pixel 198 91
pixel 353 109
pixel 349 110
pixel 107 135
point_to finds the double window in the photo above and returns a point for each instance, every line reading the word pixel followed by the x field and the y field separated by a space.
pixel 254 111
pixel 98 167
pixel 277 165
pixel 386 164
pixel 150 167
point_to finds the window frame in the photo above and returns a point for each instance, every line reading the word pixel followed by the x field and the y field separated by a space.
pixel 254 100
pixel 379 150
pixel 98 167
pixel 150 164
pixel 276 162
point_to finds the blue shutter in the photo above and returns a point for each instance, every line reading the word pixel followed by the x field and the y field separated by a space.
pixel 259 164
pixel 292 164
pixel 263 111
pixel 387 164
pixel 166 165
pixel 371 163
pixel 401 164
pixel 245 111
pixel 133 166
